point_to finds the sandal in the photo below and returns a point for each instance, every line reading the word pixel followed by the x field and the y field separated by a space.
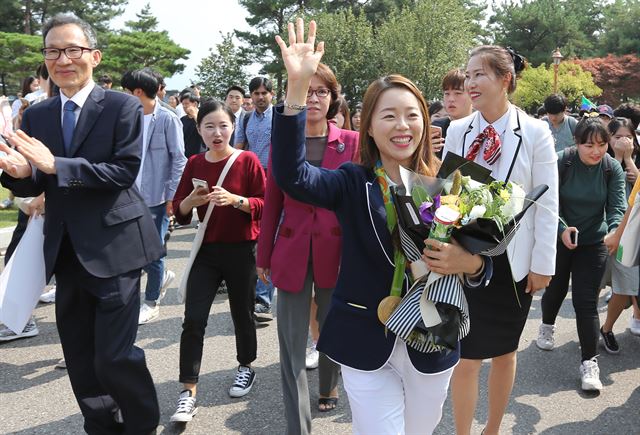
pixel 329 404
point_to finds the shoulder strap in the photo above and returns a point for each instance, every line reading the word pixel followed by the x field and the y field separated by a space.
pixel 223 174
pixel 568 157
pixel 245 122
pixel 606 168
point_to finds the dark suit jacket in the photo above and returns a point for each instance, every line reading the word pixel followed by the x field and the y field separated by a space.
pixel 92 198
pixel 352 334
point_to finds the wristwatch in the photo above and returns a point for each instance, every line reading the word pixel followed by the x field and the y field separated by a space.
pixel 239 203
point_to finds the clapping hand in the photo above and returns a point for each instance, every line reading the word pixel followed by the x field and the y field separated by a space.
pixel 623 147
pixel 14 163
pixel 301 60
pixel 31 150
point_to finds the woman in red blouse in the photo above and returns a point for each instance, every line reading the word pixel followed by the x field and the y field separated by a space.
pixel 227 252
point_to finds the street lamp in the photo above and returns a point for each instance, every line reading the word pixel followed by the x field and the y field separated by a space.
pixel 557 58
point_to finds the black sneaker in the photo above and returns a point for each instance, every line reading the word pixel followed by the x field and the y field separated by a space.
pixel 610 342
pixel 186 408
pixel 262 312
pixel 245 377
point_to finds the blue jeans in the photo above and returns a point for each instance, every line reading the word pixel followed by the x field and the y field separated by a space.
pixel 264 292
pixel 155 269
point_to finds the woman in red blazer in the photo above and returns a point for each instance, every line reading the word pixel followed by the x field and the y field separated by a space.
pixel 299 249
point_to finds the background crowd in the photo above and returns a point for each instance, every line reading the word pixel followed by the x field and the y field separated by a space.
pixel 284 221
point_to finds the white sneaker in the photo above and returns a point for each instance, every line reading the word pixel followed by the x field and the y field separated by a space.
pixel 148 313
pixel 313 356
pixel 30 330
pixel 634 325
pixel 545 339
pixel 590 373
pixel 186 408
pixel 48 297
pixel 166 280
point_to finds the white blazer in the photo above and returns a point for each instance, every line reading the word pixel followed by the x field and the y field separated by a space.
pixel 529 159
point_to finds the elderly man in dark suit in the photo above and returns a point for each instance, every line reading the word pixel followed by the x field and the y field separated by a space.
pixel 83 149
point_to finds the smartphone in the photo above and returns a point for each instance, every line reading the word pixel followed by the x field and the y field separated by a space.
pixel 435 131
pixel 197 183
pixel 574 237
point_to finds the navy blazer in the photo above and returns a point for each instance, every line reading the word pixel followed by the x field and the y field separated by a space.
pixel 92 197
pixel 352 334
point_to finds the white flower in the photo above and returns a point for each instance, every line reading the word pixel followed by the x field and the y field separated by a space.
pixel 477 211
pixel 515 203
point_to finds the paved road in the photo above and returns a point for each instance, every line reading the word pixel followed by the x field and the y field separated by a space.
pixel 36 398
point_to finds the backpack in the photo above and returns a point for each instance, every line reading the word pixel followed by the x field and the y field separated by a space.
pixel 569 156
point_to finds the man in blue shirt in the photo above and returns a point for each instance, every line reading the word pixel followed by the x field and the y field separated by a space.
pixel 253 133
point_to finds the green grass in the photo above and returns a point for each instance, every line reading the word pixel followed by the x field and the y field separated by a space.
pixel 8 218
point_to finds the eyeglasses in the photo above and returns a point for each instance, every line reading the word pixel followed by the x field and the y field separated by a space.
pixel 70 52
pixel 320 92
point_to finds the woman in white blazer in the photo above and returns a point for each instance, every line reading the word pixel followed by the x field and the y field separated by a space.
pixel 518 148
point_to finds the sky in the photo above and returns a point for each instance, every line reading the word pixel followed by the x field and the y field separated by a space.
pixel 192 24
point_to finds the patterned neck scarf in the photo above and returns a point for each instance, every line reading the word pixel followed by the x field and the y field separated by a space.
pixel 492 149
pixel 399 259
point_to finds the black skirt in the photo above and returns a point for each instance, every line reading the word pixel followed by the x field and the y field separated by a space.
pixel 497 320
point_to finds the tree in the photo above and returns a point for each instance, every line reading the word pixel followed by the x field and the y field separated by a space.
pixel 536 27
pixel 224 67
pixel 270 18
pixel 349 45
pixel 424 42
pixel 536 84
pixel 621 33
pixel 19 57
pixel 142 45
pixel 618 76
pixel 146 22
pixel 28 16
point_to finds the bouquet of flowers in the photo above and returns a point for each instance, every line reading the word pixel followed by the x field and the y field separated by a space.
pixel 482 216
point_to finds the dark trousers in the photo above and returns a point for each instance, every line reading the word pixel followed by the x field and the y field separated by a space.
pixel 585 265
pixel 235 263
pixel 97 321
pixel 18 232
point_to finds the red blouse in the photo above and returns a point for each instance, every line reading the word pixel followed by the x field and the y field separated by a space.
pixel 245 178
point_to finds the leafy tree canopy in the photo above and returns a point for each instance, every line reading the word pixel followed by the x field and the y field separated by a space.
pixel 224 67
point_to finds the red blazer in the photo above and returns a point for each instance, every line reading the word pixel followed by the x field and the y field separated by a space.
pixel 285 248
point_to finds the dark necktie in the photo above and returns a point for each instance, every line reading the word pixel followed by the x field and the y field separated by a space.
pixel 68 125
pixel 492 146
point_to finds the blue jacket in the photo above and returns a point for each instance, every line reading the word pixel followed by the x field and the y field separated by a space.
pixel 164 158
pixel 352 334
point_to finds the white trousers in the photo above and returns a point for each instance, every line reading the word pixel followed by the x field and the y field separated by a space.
pixel 396 399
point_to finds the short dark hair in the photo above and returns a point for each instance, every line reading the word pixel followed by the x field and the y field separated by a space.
pixel 453 80
pixel 435 107
pixel 159 79
pixel 141 79
pixel 42 71
pixel 105 79
pixel 630 111
pixel 555 103
pixel 189 96
pixel 588 128
pixel 256 82
pixel 212 105
pixel 68 18
pixel 235 88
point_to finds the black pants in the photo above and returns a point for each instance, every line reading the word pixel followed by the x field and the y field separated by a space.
pixel 234 263
pixel 585 265
pixel 18 232
pixel 97 320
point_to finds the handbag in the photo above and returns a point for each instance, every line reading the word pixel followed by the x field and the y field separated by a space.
pixel 629 249
pixel 23 278
pixel 202 228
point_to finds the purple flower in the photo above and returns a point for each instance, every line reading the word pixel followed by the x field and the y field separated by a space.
pixel 428 209
pixel 426 213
